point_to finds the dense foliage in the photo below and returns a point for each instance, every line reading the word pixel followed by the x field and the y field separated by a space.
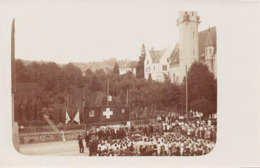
pixel 65 87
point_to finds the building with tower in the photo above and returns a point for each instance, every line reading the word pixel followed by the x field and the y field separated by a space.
pixel 192 46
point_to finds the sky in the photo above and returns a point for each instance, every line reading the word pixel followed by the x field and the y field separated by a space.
pixel 83 31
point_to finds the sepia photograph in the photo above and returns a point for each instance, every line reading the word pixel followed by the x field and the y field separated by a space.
pixel 162 104
pixel 159 83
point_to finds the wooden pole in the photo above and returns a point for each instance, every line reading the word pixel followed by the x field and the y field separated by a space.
pixel 107 92
pixel 127 97
pixel 186 93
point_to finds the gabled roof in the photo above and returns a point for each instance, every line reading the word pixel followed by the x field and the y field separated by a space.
pixel 156 55
pixel 131 64
pixel 174 58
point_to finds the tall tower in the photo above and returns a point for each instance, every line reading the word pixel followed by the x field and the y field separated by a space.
pixel 187 23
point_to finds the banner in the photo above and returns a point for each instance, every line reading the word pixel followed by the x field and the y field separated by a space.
pixel 91 115
pixel 106 114
pixel 114 113
pixel 109 98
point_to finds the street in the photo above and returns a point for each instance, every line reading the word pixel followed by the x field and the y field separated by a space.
pixel 68 148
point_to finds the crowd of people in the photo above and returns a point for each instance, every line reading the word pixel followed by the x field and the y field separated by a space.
pixel 168 138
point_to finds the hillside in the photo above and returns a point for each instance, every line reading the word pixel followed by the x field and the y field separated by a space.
pixel 106 65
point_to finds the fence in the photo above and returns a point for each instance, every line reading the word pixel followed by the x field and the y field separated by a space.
pixel 43 129
pixel 49 129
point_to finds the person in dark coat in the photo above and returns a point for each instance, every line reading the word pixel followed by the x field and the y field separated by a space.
pixel 81 147
pixel 87 139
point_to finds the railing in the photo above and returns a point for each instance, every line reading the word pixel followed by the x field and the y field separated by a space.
pixel 49 129
pixel 42 129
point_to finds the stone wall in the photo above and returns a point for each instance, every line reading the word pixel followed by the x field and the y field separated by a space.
pixel 49 136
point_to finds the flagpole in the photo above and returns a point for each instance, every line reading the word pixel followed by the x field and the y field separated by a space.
pixel 107 91
pixel 186 93
pixel 127 97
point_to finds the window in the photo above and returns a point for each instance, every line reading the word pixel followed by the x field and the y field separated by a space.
pixel 193 52
pixel 148 69
pixel 210 51
pixel 205 52
pixel 193 34
pixel 153 68
pixel 147 61
pixel 164 67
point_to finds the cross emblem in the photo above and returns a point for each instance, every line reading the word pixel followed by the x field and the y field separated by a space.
pixel 107 113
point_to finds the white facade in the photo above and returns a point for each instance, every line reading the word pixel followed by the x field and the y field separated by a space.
pixel 124 70
pixel 156 64
pixel 187 23
pixel 192 46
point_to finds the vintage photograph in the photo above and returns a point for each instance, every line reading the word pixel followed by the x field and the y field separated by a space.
pixel 114 83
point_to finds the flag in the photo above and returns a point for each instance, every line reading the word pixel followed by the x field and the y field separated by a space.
pixel 67 117
pixel 91 114
pixel 106 114
pixel 76 118
pixel 109 98
pixel 114 113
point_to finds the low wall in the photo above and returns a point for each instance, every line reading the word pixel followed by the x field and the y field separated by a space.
pixel 26 138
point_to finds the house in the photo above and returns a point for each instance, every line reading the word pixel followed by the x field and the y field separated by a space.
pixel 156 64
pixel 130 67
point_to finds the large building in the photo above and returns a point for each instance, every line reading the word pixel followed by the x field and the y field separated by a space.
pixel 192 46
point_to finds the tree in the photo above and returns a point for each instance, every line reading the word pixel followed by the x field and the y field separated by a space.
pixel 140 64
pixel 116 69
pixel 202 89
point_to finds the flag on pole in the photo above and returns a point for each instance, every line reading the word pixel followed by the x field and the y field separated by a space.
pixel 76 118
pixel 109 98
pixel 67 117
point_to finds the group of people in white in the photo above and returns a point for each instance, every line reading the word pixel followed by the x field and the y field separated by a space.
pixel 167 138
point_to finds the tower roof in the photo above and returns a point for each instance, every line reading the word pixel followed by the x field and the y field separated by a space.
pixel 174 58
pixel 209 41
pixel 207 37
